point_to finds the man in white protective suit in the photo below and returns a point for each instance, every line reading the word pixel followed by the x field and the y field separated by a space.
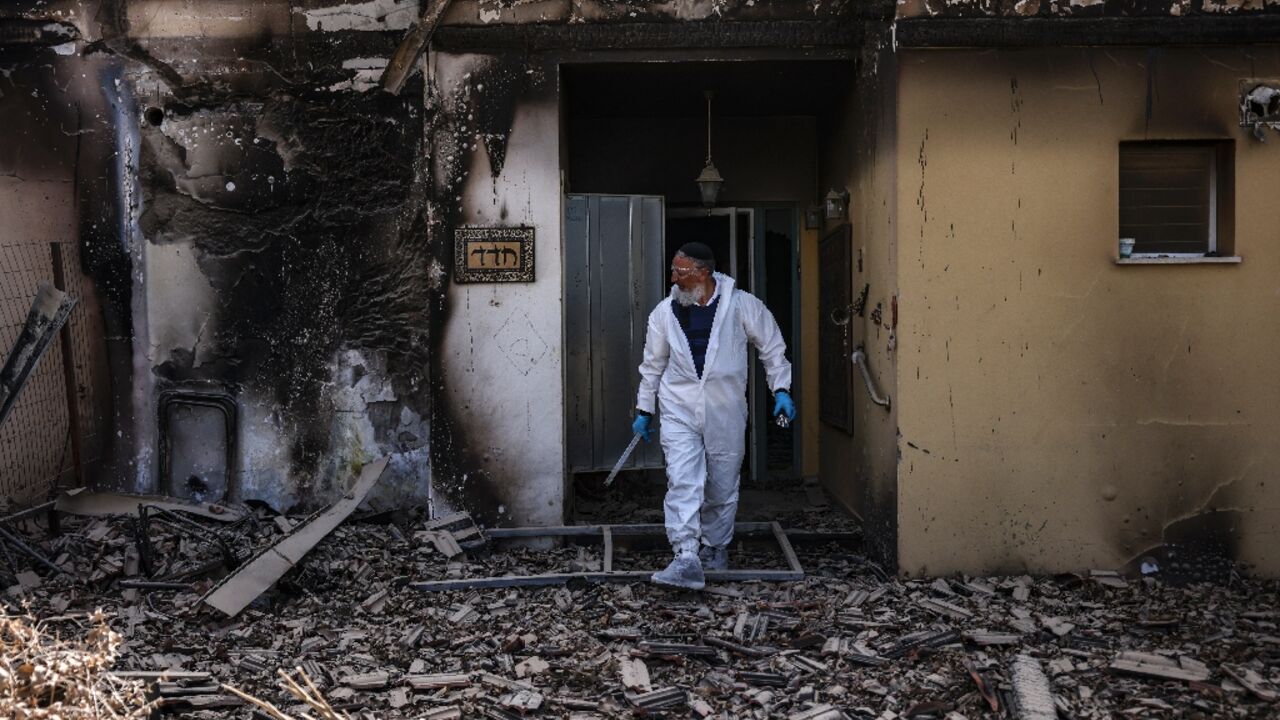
pixel 695 367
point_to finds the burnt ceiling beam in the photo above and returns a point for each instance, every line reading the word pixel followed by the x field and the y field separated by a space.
pixel 1074 32
pixel 795 34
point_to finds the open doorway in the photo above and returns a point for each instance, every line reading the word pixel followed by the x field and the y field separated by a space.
pixel 640 130
pixel 757 246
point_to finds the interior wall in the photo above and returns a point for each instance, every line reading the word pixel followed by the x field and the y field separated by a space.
pixel 1060 411
pixel 860 471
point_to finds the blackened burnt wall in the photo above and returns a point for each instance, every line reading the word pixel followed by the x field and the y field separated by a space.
pixel 285 264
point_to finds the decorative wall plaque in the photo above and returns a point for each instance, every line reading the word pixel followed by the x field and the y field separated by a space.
pixel 493 254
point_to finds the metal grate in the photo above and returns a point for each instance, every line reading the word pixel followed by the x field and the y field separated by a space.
pixel 35 441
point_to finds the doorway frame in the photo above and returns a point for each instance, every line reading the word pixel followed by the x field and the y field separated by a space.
pixel 795 343
pixel 757 392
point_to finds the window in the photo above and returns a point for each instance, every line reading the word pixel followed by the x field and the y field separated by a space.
pixel 1175 198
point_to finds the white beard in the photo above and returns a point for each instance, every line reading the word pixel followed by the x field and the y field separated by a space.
pixel 688 297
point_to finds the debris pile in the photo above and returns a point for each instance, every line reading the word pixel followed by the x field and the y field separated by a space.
pixel 845 642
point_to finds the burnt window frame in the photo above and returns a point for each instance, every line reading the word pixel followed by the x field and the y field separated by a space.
pixel 1220 223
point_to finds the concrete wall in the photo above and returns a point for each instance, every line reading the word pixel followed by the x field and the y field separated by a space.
pixel 501 358
pixel 1059 411
pixel 860 471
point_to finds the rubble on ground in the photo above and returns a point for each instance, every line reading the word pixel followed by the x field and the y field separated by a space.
pixel 844 642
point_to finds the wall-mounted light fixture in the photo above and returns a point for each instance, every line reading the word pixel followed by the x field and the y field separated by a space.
pixel 836 204
pixel 709 180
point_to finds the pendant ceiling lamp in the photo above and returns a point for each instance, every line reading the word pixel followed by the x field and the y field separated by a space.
pixel 709 181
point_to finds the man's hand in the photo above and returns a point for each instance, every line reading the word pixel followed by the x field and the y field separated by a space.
pixel 784 405
pixel 640 426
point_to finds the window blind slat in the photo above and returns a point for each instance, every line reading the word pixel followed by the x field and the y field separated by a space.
pixel 1165 197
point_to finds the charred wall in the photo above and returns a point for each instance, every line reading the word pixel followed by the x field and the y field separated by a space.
pixel 498 443
pixel 262 231
pixel 296 210
pixel 299 259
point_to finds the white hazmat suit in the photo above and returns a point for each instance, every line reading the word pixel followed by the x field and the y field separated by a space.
pixel 704 419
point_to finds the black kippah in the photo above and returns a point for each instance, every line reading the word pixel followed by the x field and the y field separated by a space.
pixel 697 251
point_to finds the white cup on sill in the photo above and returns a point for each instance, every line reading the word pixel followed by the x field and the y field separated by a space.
pixel 1126 247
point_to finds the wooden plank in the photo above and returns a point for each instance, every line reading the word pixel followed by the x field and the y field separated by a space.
pixel 437 681
pixel 251 579
pixel 1156 666
pixel 787 551
pixel 81 501
pixel 608 549
pixel 405 58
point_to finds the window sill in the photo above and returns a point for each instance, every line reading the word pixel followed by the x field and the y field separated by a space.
pixel 1167 260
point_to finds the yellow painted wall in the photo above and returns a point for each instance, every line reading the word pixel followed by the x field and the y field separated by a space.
pixel 860 470
pixel 1059 411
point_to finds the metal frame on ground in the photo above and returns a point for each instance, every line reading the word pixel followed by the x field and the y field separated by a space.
pixel 607 533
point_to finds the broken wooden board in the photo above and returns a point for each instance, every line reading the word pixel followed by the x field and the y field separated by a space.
pixel 82 501
pixel 437 681
pixel 405 59
pixel 251 579
pixel 1252 681
pixel 1158 666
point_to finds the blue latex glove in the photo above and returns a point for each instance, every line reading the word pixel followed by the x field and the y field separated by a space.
pixel 782 403
pixel 640 426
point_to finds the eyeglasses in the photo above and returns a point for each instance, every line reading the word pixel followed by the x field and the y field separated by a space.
pixel 684 272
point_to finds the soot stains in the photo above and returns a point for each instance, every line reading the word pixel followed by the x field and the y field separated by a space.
pixel 301 210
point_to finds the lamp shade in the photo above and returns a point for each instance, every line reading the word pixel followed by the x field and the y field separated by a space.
pixel 709 182
pixel 836 204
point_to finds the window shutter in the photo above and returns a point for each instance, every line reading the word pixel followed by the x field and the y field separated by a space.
pixel 1166 197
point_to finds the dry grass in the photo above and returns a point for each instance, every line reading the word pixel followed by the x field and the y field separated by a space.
pixel 46 677
pixel 306 691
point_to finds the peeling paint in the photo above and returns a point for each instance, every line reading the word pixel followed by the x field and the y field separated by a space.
pixel 372 16
pixel 368 74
